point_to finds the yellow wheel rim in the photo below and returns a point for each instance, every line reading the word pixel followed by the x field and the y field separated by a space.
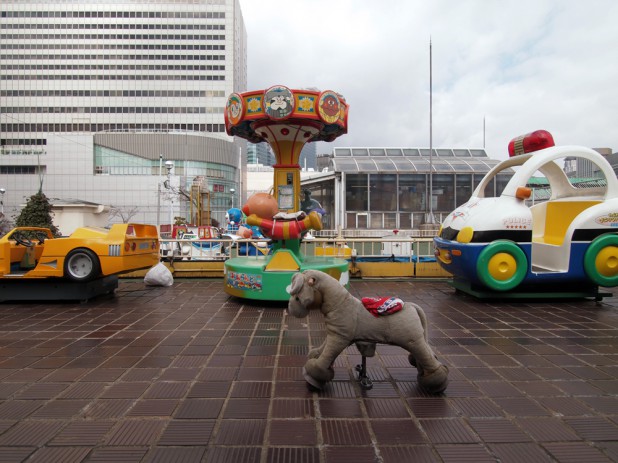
pixel 606 261
pixel 502 266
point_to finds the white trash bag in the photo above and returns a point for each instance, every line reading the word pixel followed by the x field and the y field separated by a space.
pixel 159 275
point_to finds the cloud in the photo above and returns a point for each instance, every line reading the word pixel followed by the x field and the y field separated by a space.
pixel 517 65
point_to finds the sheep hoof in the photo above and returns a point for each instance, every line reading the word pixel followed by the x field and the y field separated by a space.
pixel 435 382
pixel 312 383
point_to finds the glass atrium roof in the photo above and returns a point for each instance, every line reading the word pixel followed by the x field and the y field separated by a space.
pixel 353 160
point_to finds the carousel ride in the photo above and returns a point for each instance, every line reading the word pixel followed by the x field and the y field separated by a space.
pixel 285 119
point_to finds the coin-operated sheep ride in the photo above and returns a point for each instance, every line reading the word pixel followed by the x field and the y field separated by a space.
pixel 561 242
pixel 350 321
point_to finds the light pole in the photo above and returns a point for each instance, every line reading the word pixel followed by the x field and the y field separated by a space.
pixel 169 165
pixel 159 195
pixel 2 191
pixel 232 190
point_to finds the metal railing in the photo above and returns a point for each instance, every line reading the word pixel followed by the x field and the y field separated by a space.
pixel 179 249
pixel 429 232
pixel 392 248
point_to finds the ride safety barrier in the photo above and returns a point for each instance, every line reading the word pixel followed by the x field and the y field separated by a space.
pixel 396 256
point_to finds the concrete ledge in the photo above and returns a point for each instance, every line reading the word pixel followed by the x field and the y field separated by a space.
pixel 431 270
pixel 216 269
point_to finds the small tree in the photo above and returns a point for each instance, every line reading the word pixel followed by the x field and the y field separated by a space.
pixel 37 213
pixel 5 224
pixel 124 214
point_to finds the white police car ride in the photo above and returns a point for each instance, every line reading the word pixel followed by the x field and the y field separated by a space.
pixel 506 243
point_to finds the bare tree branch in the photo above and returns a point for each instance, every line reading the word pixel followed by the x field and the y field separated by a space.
pixel 125 215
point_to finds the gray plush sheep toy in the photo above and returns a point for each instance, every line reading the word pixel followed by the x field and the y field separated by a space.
pixel 348 322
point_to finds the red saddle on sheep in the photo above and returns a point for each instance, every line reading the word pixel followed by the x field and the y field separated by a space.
pixel 382 305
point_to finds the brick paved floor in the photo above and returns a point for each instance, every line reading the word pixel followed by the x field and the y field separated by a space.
pixel 188 374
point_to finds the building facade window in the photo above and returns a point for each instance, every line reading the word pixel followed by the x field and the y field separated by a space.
pixel 22 170
pixel 412 192
pixel 115 14
pixel 356 192
pixel 383 192
pixel 164 127
pixel 463 188
pixel 443 192
pixel 112 162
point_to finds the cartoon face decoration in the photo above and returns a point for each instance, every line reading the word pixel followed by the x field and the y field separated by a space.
pixel 234 108
pixel 278 102
pixel 329 107
pixel 233 216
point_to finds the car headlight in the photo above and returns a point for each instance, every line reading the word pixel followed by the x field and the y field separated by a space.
pixel 443 256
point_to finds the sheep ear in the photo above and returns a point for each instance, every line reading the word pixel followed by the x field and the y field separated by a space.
pixel 297 284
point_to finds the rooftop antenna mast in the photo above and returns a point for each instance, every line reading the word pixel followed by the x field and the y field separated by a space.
pixel 430 217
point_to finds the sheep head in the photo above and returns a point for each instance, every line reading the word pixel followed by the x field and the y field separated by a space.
pixel 303 295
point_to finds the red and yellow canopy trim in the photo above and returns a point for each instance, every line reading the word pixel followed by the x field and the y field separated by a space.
pixel 248 111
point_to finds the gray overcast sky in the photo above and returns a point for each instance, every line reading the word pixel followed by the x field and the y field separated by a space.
pixel 521 65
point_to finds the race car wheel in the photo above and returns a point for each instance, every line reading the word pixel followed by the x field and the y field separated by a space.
pixel 502 266
pixel 601 260
pixel 81 265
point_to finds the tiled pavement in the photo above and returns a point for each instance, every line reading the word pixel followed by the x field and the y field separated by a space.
pixel 188 374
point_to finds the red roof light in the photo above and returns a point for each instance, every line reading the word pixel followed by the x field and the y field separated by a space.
pixel 530 143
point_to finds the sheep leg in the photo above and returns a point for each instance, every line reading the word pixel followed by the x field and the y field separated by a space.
pixel 432 375
pixel 316 351
pixel 319 370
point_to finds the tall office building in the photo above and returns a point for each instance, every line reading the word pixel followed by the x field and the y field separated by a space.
pixel 308 156
pixel 95 97
pixel 260 153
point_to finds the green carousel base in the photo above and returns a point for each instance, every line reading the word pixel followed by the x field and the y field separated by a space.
pixel 537 293
pixel 267 277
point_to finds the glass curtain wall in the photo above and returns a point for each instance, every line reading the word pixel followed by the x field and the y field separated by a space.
pixel 388 201
pixel 218 178
pixel 356 200
pixel 443 192
pixel 383 200
pixel 463 188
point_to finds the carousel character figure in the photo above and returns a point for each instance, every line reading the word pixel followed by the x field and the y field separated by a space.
pixel 234 220
pixel 262 211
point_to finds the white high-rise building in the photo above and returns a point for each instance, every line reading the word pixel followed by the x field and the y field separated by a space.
pixel 95 97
